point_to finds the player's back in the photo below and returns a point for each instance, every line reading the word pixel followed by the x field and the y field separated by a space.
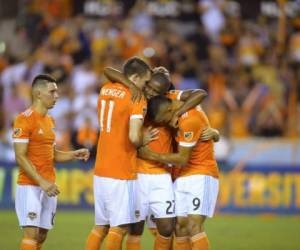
pixel 202 160
pixel 116 155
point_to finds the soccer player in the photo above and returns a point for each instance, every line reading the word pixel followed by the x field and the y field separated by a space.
pixel 34 145
pixel 120 122
pixel 196 187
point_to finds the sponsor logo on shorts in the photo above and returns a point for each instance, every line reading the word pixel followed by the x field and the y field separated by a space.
pixel 137 213
pixel 17 132
pixel 52 219
pixel 32 215
pixel 188 136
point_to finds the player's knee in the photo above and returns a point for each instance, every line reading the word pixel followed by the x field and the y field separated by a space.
pixel 166 230
pixel 137 228
pixel 181 228
pixel 195 227
pixel 31 232
pixel 165 227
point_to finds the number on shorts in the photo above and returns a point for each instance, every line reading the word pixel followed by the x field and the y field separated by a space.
pixel 171 207
pixel 196 203
pixel 111 105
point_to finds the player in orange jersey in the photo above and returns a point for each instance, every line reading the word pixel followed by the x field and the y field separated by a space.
pixel 34 145
pixel 120 122
pixel 196 187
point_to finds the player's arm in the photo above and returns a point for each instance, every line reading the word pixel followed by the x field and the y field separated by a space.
pixel 180 158
pixel 117 76
pixel 63 156
pixel 136 132
pixel 21 157
pixel 190 98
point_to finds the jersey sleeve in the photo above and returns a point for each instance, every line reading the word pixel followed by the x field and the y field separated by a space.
pixel 21 130
pixel 139 109
pixel 174 94
pixel 189 131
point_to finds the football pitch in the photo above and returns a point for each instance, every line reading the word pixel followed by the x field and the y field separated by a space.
pixel 225 232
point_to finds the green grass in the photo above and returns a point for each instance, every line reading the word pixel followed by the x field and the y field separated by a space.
pixel 225 232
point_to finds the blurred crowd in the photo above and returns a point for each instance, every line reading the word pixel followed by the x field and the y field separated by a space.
pixel 250 68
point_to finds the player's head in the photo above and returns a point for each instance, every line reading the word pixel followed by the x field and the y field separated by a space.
pixel 138 71
pixel 159 84
pixel 160 110
pixel 44 91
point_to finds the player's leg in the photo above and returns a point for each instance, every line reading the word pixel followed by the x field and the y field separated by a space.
pixel 42 236
pixel 100 230
pixel 162 205
pixel 48 211
pixel 202 196
pixel 182 240
pixel 28 209
pixel 123 209
pixel 136 230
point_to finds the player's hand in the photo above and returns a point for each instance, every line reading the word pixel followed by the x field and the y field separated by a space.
pixel 49 187
pixel 136 93
pixel 210 134
pixel 81 154
pixel 149 134
pixel 143 152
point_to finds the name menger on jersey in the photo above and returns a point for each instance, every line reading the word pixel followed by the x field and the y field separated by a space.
pixel 113 92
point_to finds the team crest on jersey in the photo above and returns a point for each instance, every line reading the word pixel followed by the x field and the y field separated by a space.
pixel 137 213
pixel 17 132
pixel 188 136
pixel 32 215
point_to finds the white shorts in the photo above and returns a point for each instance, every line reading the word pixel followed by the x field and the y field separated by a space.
pixel 156 195
pixel 34 207
pixel 116 201
pixel 196 194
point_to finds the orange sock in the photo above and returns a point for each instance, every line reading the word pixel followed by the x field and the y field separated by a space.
pixel 162 243
pixel 153 231
pixel 28 244
pixel 95 239
pixel 133 242
pixel 182 243
pixel 115 238
pixel 200 241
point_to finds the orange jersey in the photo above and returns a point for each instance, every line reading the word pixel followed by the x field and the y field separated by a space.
pixel 162 145
pixel 116 155
pixel 38 131
pixel 202 161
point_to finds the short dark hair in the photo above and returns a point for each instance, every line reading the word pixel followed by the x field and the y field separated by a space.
pixel 154 105
pixel 42 79
pixel 136 65
pixel 163 79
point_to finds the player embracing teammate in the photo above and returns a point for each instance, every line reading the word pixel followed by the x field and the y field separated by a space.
pixel 128 189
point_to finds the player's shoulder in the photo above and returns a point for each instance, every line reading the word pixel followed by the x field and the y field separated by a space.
pixel 25 115
pixel 194 115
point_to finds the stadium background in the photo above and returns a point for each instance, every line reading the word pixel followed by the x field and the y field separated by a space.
pixel 246 54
